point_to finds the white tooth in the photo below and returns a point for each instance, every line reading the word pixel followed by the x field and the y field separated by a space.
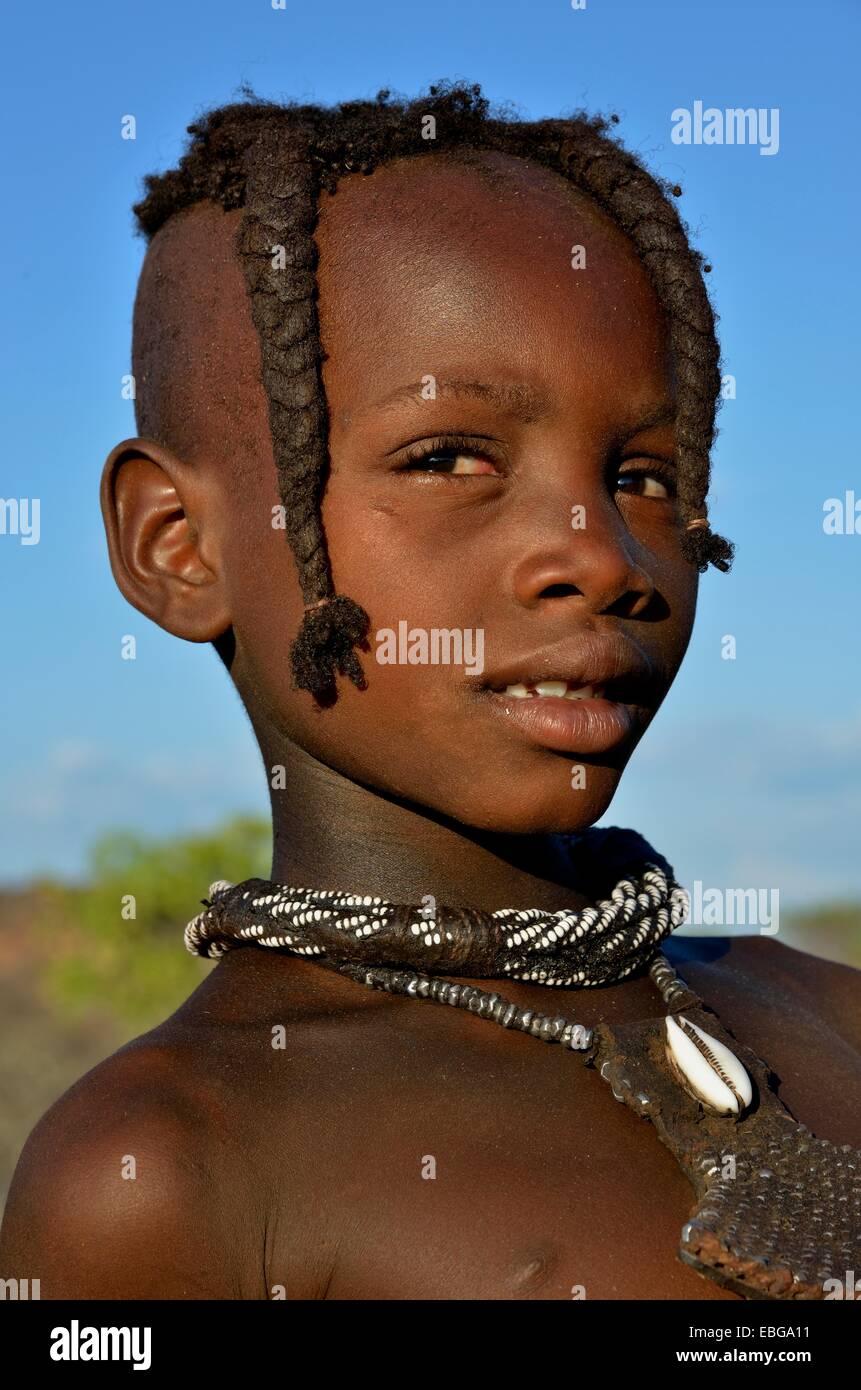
pixel 518 691
pixel 707 1069
pixel 584 693
pixel 551 687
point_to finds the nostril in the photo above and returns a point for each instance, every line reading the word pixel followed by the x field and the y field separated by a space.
pixel 641 604
pixel 559 590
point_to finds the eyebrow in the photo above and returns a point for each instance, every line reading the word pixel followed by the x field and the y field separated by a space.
pixel 528 403
pixel 662 414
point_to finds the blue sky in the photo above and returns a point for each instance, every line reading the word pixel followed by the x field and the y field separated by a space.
pixel 750 775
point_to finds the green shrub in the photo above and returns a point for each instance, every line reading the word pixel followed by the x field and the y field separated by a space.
pixel 119 938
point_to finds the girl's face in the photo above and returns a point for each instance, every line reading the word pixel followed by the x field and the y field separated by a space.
pixel 501 403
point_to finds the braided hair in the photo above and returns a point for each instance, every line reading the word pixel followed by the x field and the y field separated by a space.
pixel 273 159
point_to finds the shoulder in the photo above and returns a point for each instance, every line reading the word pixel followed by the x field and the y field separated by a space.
pixel 779 976
pixel 123 1190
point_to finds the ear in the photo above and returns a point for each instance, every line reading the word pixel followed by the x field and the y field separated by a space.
pixel 162 539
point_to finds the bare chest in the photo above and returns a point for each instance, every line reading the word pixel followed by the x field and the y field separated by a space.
pixel 491 1166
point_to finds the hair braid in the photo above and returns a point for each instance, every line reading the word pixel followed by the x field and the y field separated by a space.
pixel 279 259
pixel 273 160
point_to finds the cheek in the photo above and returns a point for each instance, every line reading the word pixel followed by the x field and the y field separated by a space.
pixel 678 584
pixel 265 605
pixel 265 598
pixel 404 560
pixel 364 733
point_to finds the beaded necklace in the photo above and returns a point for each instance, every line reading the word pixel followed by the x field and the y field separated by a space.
pixel 777 1212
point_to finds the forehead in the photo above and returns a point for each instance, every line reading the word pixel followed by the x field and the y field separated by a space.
pixel 427 265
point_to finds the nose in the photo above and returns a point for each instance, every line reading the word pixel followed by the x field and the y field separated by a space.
pixel 596 562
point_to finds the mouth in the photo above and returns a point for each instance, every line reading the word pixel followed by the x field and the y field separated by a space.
pixel 548 690
pixel 574 709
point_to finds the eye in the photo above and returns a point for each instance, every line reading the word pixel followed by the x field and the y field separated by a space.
pixel 451 457
pixel 656 481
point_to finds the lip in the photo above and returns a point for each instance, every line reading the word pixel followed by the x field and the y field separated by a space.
pixel 609 661
pixel 567 726
pixel 587 658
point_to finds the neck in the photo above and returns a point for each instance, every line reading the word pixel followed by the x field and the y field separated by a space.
pixel 331 832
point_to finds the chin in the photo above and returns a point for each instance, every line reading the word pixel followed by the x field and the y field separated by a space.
pixel 538 809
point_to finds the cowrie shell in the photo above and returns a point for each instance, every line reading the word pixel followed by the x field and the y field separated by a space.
pixel 706 1069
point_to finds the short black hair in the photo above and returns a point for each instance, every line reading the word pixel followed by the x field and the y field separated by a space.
pixel 272 159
